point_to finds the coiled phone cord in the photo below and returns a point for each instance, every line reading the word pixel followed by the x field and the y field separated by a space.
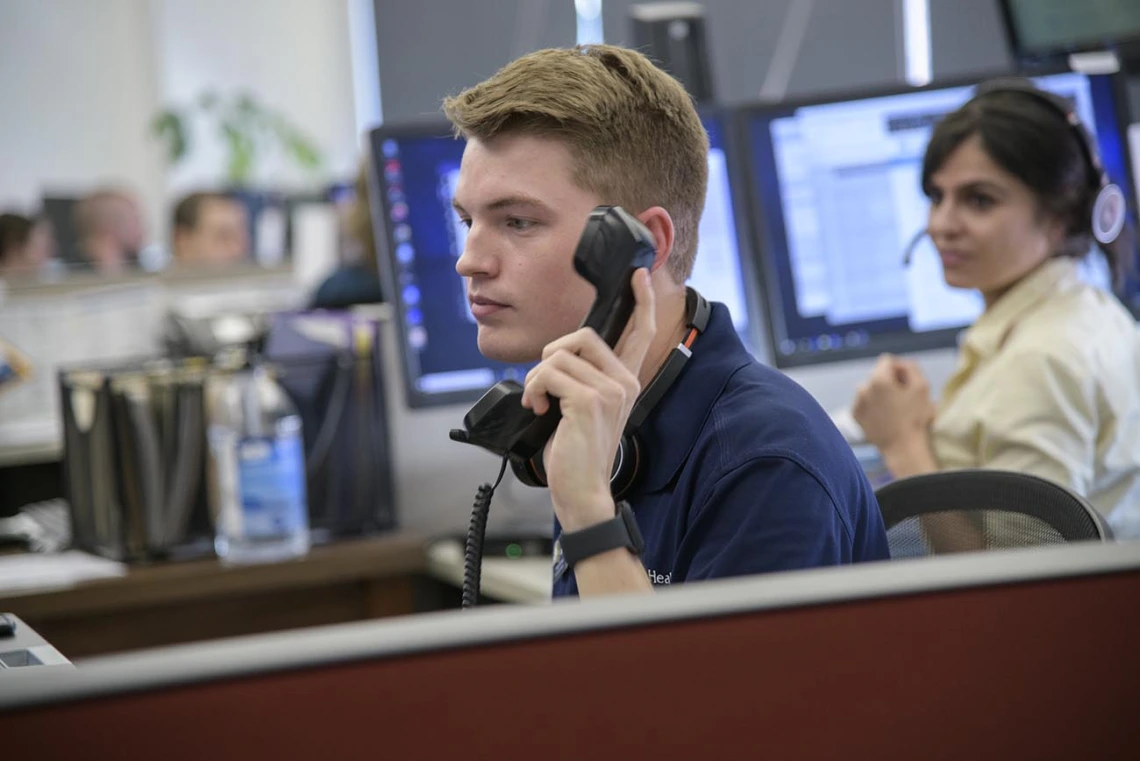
pixel 476 532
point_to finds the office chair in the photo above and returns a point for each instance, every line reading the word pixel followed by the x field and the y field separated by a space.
pixel 970 510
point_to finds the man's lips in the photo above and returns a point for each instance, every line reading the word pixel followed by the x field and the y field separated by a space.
pixel 484 307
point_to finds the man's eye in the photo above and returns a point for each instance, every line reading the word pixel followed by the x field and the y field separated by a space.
pixel 466 222
pixel 520 224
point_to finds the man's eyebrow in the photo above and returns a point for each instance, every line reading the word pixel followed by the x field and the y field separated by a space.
pixel 517 200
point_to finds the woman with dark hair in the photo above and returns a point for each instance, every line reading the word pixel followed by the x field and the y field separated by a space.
pixel 27 246
pixel 1048 377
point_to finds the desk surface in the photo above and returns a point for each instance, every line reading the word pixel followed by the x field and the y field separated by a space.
pixel 198 600
pixel 520 580
pixel 376 557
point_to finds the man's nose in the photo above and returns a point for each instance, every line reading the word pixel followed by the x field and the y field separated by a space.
pixel 477 258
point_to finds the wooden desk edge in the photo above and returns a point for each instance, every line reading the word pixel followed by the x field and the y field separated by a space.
pixel 384 556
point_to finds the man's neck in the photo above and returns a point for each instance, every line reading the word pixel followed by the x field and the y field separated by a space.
pixel 671 315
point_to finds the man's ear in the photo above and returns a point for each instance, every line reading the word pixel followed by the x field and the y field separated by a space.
pixel 661 225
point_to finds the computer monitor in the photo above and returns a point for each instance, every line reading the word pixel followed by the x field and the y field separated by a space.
pixel 1043 29
pixel 415 170
pixel 837 192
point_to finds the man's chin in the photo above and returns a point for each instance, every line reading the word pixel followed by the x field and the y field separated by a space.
pixel 501 349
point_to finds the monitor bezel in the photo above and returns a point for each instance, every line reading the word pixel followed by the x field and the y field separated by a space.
pixel 772 298
pixel 380 209
pixel 1126 47
pixel 757 336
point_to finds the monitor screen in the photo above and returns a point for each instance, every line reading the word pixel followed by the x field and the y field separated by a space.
pixel 1043 28
pixel 838 188
pixel 414 173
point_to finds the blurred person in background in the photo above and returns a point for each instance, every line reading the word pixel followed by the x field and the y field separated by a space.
pixel 357 280
pixel 27 246
pixel 210 229
pixel 1048 378
pixel 110 229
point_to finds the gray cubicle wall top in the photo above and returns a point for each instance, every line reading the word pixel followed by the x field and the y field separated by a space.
pixel 462 629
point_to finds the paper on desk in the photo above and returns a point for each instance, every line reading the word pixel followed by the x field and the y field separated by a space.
pixel 37 571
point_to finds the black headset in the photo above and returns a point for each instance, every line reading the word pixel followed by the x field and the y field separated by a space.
pixel 1109 210
pixel 630 458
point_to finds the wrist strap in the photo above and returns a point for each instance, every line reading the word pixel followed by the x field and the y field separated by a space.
pixel 618 532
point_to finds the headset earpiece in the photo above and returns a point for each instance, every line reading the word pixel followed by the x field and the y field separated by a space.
pixel 627 467
pixel 1108 214
pixel 630 459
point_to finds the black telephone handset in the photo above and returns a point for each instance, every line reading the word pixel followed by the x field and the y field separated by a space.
pixel 613 245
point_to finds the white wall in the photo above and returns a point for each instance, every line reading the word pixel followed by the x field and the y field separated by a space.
pixel 294 55
pixel 80 81
pixel 77 88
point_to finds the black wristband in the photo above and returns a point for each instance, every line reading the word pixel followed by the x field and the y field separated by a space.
pixel 618 532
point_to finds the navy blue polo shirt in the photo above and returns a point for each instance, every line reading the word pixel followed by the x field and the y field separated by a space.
pixel 745 474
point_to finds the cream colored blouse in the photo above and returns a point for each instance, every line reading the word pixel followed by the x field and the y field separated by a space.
pixel 1048 383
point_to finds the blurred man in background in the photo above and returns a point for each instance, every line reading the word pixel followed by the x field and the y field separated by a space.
pixel 27 246
pixel 210 229
pixel 110 230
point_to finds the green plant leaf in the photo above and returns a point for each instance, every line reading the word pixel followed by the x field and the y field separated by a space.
pixel 169 127
pixel 304 152
pixel 246 127
pixel 296 144
pixel 239 166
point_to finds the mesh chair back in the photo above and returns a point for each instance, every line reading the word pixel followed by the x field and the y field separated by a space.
pixel 969 510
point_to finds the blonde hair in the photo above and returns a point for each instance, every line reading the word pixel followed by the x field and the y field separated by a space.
pixel 633 132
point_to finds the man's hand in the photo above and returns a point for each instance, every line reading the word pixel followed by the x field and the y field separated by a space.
pixel 596 388
pixel 893 406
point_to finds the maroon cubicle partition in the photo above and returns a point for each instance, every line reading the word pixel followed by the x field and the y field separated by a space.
pixel 1029 666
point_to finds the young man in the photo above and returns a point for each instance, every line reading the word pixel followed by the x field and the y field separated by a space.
pixel 110 228
pixel 744 473
pixel 210 229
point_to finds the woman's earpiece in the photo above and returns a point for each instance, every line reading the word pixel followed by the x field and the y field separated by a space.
pixel 1109 209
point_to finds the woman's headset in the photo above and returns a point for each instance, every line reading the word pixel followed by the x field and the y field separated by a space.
pixel 630 458
pixel 1109 210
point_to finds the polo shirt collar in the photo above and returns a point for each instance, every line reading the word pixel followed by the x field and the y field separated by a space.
pixel 671 430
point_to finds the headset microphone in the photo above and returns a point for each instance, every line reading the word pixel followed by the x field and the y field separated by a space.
pixel 908 252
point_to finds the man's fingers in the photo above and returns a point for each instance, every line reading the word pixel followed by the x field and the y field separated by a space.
pixel 588 345
pixel 642 327
pixel 554 381
pixel 580 370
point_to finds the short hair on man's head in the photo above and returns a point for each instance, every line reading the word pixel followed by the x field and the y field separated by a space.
pixel 15 230
pixel 188 211
pixel 96 212
pixel 634 133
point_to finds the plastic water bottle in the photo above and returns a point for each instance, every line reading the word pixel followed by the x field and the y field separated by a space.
pixel 258 470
